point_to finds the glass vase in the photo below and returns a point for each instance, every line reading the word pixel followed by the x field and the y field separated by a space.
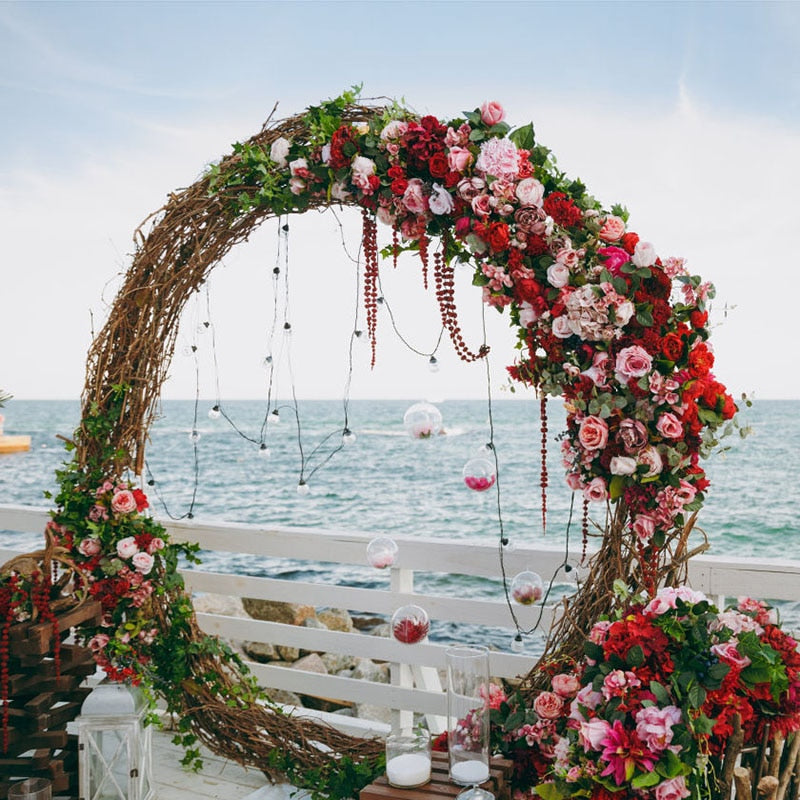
pixel 468 714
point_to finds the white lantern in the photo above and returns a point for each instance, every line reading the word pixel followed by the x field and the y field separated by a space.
pixel 115 759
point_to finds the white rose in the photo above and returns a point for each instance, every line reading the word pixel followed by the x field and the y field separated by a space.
pixel 623 312
pixel 440 201
pixel 562 328
pixel 127 547
pixel 338 191
pixel 623 465
pixel 558 275
pixel 279 151
pixel 363 166
pixel 530 192
pixel 297 164
pixel 325 154
pixel 644 254
pixel 527 314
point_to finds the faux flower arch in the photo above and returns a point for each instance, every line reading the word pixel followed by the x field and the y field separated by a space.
pixel 601 319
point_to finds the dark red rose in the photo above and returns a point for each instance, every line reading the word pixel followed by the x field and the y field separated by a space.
pixel 396 172
pixel 342 136
pixel 437 165
pixel 463 227
pixel 672 347
pixel 451 179
pixel 629 242
pixel 527 290
pixel 497 236
pixel 701 359
pixel 563 210
pixel 536 246
pixel 399 186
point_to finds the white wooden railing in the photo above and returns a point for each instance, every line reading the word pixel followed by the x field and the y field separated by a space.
pixel 415 669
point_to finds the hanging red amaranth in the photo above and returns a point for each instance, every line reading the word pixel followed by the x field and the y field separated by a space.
pixel 369 239
pixel 584 530
pixel 40 595
pixel 445 294
pixel 395 244
pixel 424 242
pixel 543 478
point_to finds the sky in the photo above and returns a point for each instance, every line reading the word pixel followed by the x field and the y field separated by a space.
pixel 686 113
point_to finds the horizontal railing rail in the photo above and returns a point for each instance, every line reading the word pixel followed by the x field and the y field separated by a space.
pixel 415 670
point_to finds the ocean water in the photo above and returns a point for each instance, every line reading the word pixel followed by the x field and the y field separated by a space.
pixel 386 482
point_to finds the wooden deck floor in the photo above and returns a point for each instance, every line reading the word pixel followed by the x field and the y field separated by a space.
pixel 219 779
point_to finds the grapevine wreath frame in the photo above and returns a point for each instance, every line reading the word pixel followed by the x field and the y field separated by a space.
pixel 598 323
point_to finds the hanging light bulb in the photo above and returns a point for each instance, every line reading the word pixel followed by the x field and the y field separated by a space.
pixel 194 435
pixel 517 645
pixel 485 450
pixel 479 473
pixel 381 552
pixel 287 328
pixel 527 588
pixel 303 488
pixel 214 412
pixel 267 360
pixel 410 624
pixel 348 437
pixel 422 420
pixel 379 300
pixel 433 364
pixel 263 450
pixel 274 417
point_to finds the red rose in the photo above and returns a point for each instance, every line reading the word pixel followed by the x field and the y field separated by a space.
pixel 728 407
pixel 399 186
pixel 396 172
pixel 701 359
pixel 536 246
pixel 527 290
pixel 437 165
pixel 698 319
pixel 563 210
pixel 497 236
pixel 672 347
pixel 342 136
pixel 629 242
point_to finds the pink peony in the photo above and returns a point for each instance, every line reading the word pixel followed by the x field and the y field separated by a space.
pixel 498 158
pixel 548 705
pixel 654 726
pixel 593 733
pixel 673 789
pixel 123 502
pixel 612 229
pixel 89 547
pixel 565 684
pixel 613 258
pixel 413 197
pixel 593 433
pixel 596 490
pixel 617 683
pixel 492 112
pixel 127 547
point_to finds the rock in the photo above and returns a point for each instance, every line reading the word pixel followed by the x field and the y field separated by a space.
pixel 345 712
pixel 374 713
pixel 260 651
pixel 337 619
pixel 367 623
pixel 312 622
pixel 285 697
pixel 276 611
pixel 384 630
pixel 288 653
pixel 367 670
pixel 219 604
pixel 311 663
pixel 337 662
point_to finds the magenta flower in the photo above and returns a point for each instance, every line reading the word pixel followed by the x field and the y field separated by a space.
pixel 624 752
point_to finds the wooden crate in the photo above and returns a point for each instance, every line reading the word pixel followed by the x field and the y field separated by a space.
pixel 440 787
pixel 42 702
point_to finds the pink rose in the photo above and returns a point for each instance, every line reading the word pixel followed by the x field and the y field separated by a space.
pixel 632 362
pixel 459 158
pixel 527 314
pixel 632 434
pixel 593 433
pixel 652 459
pixel 98 513
pixel 468 188
pixel 414 198
pixel 597 373
pixel 548 705
pixel 669 426
pixel 127 547
pixel 156 544
pixel 728 652
pixel 558 275
pixel 644 526
pixel 98 642
pixel 613 258
pixel 440 201
pixel 566 684
pixel 394 130
pixel 562 328
pixel 297 185
pixel 617 682
pixel 298 168
pixel 612 229
pixel 89 547
pixel 644 254
pixel 574 481
pixel 492 112
pixel 530 192
pixel 592 734
pixel 622 465
pixel 481 205
pixel 596 490
pixel 654 726
pixel 673 789
pixel 599 631
pixel 143 562
pixel 686 492
pixel 123 502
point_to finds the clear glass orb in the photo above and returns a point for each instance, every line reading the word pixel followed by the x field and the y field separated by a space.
pixel 194 435
pixel 517 645
pixel 274 418
pixel 479 473
pixel 214 412
pixel 527 588
pixel 381 552
pixel 264 451
pixel 348 437
pixel 303 488
pixel 422 420
pixel 410 624
pixel 433 364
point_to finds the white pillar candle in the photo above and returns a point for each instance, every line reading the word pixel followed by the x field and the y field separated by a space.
pixel 469 772
pixel 408 769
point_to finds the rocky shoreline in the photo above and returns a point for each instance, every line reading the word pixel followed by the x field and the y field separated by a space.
pixel 316 661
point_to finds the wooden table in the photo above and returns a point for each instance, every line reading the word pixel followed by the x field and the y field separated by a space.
pixel 439 787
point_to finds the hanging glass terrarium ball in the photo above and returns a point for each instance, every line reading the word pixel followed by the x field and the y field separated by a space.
pixel 194 435
pixel 517 645
pixel 422 420
pixel 479 473
pixel 527 588
pixel 381 552
pixel 410 624
pixel 214 412
pixel 348 437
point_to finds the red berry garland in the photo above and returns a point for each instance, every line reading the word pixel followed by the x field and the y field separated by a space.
pixel 445 294
pixel 424 242
pixel 584 530
pixel 369 238
pixel 543 478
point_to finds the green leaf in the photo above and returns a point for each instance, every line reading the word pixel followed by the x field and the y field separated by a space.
pixel 617 487
pixel 660 692
pixel 635 656
pixel 477 135
pixel 548 791
pixel 696 695
pixel 524 137
pixel 645 780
